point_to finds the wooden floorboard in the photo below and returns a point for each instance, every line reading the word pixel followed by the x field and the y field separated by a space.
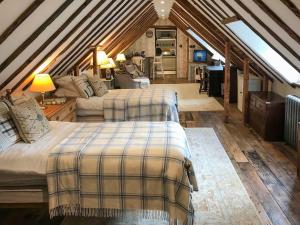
pixel 267 170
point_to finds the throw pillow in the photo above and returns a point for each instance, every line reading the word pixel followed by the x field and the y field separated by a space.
pixel 30 120
pixel 66 83
pixel 8 132
pixel 98 86
pixel 83 86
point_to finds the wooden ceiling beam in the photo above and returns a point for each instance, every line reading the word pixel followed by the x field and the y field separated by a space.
pixel 278 20
pixel 135 33
pixel 28 11
pixel 129 21
pixel 47 42
pixel 64 39
pixel 242 50
pixel 128 33
pixel 34 35
pixel 90 38
pixel 291 7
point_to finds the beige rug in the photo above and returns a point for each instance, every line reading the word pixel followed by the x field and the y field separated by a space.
pixel 189 98
pixel 221 200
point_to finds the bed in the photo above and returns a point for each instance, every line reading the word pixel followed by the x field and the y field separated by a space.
pixel 130 105
pixel 103 169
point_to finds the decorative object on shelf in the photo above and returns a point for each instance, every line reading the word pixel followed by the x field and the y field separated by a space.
pixel 111 65
pixel 149 33
pixel 55 101
pixel 42 83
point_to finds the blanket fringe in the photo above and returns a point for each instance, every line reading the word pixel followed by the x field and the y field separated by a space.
pixel 68 210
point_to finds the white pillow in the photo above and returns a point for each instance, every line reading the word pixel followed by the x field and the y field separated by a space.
pixel 66 82
pixel 62 92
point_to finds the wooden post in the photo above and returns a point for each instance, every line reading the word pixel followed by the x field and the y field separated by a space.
pixel 246 91
pixel 95 63
pixel 76 70
pixel 298 147
pixel 227 80
pixel 266 83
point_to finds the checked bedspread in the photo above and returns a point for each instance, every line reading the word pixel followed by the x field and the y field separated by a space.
pixel 110 169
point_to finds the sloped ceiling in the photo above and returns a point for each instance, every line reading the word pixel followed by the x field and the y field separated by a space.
pixel 276 21
pixel 56 36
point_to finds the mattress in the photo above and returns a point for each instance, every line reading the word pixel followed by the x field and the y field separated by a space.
pixel 31 159
pixel 92 104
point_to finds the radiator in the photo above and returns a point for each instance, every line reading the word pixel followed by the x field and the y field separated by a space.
pixel 292 117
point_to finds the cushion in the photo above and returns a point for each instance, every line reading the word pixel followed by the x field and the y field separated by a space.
pixel 66 83
pixel 18 98
pixel 83 86
pixel 8 132
pixel 62 92
pixel 30 120
pixel 98 86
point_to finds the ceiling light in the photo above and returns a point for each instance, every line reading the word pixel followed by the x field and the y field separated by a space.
pixel 162 10
pixel 162 2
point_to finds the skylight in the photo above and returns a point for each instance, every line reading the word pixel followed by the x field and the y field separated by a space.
pixel 216 55
pixel 264 51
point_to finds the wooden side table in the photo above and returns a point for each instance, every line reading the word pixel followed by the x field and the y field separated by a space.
pixel 62 112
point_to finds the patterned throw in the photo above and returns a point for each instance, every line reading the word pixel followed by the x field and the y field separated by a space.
pixel 141 105
pixel 111 169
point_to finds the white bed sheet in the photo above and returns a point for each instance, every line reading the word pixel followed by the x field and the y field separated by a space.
pixel 24 157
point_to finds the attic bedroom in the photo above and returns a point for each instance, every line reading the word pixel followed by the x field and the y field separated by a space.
pixel 139 112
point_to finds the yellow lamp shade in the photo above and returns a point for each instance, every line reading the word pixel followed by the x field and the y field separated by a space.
pixel 120 57
pixel 110 65
pixel 42 83
pixel 102 58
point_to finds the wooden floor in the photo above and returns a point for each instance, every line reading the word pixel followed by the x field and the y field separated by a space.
pixel 267 170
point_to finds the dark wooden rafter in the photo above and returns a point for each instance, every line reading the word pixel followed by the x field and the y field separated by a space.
pixel 230 19
pixel 278 20
pixel 227 80
pixel 221 9
pixel 245 90
pixel 135 33
pixel 217 14
pixel 66 37
pixel 121 32
pixel 267 28
pixel 292 7
pixel 128 20
pixel 34 5
pixel 258 65
pixel 91 37
pixel 34 35
pixel 133 27
pixel 47 42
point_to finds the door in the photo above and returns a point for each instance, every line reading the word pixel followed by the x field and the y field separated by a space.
pixel 240 92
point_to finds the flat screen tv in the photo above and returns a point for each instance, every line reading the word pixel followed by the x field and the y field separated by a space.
pixel 200 56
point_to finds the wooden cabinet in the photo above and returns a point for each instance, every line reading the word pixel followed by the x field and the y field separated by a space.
pixel 266 115
pixel 62 112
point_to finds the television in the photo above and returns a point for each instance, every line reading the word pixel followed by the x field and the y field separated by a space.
pixel 200 56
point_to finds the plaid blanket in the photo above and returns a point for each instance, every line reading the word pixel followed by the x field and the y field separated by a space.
pixel 141 105
pixel 111 169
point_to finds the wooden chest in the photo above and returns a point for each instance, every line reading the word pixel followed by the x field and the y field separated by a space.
pixel 266 115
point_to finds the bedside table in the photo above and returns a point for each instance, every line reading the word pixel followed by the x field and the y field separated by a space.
pixel 62 112
pixel 110 84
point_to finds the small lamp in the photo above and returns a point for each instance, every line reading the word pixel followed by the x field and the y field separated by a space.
pixel 120 57
pixel 102 58
pixel 42 83
pixel 111 65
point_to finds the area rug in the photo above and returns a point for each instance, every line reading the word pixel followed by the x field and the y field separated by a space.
pixel 189 98
pixel 221 199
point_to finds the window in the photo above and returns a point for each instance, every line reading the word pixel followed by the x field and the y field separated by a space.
pixel 216 55
pixel 264 51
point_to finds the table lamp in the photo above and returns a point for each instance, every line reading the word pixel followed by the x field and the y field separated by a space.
pixel 111 65
pixel 121 58
pixel 42 83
